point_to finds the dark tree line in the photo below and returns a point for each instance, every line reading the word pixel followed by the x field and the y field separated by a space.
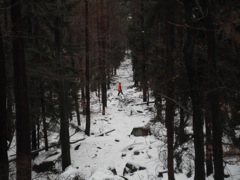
pixel 53 54
pixel 191 50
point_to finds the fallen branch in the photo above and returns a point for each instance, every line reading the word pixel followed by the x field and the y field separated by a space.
pixel 42 149
pixel 77 141
pixel 101 134
pixel 53 145
pixel 145 103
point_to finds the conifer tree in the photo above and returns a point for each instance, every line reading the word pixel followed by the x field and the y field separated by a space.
pixel 4 172
pixel 62 91
pixel 194 81
pixel 21 95
pixel 88 119
pixel 169 55
pixel 214 96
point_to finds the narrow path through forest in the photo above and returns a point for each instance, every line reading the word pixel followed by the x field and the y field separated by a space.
pixel 119 147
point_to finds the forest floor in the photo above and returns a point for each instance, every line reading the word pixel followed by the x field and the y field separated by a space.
pixel 112 151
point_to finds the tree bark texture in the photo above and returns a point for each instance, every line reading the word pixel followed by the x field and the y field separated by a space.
pixel 214 98
pixel 88 118
pixel 169 62
pixel 208 126
pixel 64 126
pixel 4 168
pixel 196 98
pixel 108 48
pixel 135 59
pixel 21 95
pixel 34 137
pixel 76 102
pixel 102 57
pixel 143 54
pixel 62 93
pixel 45 135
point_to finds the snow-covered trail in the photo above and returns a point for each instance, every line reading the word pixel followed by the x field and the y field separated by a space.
pixel 93 157
pixel 122 115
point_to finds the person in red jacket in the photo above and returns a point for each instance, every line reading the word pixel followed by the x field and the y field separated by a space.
pixel 119 89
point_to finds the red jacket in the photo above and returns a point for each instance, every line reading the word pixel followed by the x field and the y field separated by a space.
pixel 119 87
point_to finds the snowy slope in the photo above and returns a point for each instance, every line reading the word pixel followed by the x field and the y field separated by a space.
pixel 116 149
pixel 94 157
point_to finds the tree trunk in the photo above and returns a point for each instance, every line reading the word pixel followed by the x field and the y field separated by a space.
pixel 108 78
pixel 169 42
pixel 3 114
pixel 135 59
pixel 158 104
pixel 64 126
pixel 214 98
pixel 208 126
pixel 102 59
pixel 34 115
pixel 196 97
pixel 34 138
pixel 10 118
pixel 143 55
pixel 62 93
pixel 45 135
pixel 76 102
pixel 21 96
pixel 83 100
pixel 38 135
pixel 181 131
pixel 135 68
pixel 170 132
pixel 88 119
pixel 10 92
